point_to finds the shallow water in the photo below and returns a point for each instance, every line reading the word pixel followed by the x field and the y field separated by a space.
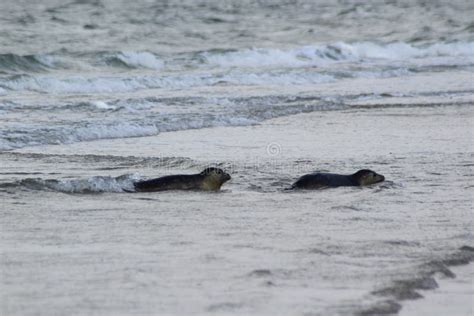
pixel 251 248
pixel 267 91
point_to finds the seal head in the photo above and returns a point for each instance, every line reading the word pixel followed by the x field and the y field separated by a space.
pixel 214 178
pixel 210 179
pixel 367 177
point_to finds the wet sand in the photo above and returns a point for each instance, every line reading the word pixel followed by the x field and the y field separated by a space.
pixel 453 297
pixel 374 236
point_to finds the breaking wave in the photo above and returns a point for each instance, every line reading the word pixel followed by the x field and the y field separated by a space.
pixel 234 112
pixel 97 184
pixel 17 138
pixel 26 63
pixel 134 60
pixel 291 57
pixel 137 117
pixel 315 55
pixel 19 64
pixel 83 84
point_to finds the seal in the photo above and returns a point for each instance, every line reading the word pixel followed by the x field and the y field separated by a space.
pixel 210 179
pixel 324 180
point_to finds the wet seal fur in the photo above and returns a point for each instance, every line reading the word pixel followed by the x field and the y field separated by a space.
pixel 331 180
pixel 210 179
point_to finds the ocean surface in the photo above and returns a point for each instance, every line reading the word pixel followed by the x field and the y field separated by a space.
pixel 95 95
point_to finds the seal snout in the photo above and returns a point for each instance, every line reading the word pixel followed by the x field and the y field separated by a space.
pixel 378 178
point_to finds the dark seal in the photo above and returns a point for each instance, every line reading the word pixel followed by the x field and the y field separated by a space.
pixel 330 180
pixel 210 179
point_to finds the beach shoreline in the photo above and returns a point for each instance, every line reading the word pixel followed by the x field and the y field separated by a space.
pixel 454 296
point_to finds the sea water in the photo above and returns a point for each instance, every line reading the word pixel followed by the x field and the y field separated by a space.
pixel 95 95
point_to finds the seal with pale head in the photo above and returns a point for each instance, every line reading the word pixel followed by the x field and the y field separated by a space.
pixel 327 180
pixel 210 179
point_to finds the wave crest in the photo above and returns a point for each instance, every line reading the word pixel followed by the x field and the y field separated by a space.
pixel 97 184
pixel 135 60
pixel 315 55
pixel 131 59
pixel 29 63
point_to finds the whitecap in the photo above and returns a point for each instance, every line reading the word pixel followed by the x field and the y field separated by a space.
pixel 321 54
pixel 140 60
pixel 96 184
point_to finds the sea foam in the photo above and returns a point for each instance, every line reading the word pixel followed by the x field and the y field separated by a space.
pixel 314 55
pixel 97 184
pixel 139 60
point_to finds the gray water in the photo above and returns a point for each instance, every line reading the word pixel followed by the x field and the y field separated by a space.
pixel 95 95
